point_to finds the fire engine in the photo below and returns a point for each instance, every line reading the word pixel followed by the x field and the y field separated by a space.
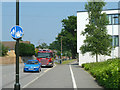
pixel 45 57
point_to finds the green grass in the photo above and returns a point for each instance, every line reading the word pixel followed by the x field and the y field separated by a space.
pixel 66 61
pixel 107 73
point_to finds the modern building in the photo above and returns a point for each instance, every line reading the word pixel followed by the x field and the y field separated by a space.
pixel 113 29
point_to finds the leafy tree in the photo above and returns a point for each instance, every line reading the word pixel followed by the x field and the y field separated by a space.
pixel 59 53
pixel 55 45
pixel 43 46
pixel 26 49
pixel 97 41
pixel 3 50
pixel 67 53
pixel 68 35
pixel 36 52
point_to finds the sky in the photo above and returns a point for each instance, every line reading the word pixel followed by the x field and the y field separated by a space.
pixel 41 21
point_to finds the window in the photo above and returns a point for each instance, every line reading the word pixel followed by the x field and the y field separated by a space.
pixel 114 19
pixel 119 18
pixel 110 19
pixel 116 40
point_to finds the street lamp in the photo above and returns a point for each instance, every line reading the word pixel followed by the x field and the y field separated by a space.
pixel 113 37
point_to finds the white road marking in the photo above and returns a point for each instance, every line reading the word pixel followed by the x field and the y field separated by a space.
pixel 47 70
pixel 33 80
pixel 37 77
pixel 73 79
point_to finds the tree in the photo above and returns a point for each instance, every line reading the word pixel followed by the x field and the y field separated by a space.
pixel 3 50
pixel 55 45
pixel 43 46
pixel 26 49
pixel 97 41
pixel 69 36
pixel 67 53
pixel 58 53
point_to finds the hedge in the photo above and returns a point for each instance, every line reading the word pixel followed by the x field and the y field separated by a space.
pixel 106 73
pixel 26 49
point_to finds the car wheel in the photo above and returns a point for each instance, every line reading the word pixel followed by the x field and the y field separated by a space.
pixel 39 70
pixel 24 70
pixel 51 66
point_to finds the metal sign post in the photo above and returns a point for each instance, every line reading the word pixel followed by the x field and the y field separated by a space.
pixel 17 33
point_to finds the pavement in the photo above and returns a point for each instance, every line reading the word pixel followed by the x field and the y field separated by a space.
pixel 60 76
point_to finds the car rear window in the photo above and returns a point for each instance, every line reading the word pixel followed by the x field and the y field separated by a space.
pixel 32 62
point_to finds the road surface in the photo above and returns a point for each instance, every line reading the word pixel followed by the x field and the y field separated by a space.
pixel 60 76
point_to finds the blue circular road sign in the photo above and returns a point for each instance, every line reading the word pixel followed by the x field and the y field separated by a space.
pixel 16 32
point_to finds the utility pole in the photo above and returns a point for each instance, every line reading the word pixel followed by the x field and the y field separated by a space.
pixel 61 47
pixel 17 85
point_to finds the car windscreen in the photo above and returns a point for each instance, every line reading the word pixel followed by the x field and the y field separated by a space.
pixel 43 55
pixel 32 62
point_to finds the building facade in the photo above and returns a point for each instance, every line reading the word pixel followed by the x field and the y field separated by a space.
pixel 113 29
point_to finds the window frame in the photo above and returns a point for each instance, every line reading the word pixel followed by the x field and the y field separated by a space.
pixel 114 37
pixel 108 15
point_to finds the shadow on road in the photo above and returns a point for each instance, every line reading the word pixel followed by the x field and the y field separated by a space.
pixel 76 65
pixel 46 67
pixel 31 72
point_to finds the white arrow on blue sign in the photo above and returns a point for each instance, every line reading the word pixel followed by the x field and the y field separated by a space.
pixel 17 32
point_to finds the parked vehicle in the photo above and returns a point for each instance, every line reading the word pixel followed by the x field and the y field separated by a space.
pixel 45 57
pixel 32 65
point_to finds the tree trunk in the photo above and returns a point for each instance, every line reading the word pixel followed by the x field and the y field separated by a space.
pixel 73 55
pixel 96 57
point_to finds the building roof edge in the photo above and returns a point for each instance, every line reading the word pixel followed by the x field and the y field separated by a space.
pixel 103 10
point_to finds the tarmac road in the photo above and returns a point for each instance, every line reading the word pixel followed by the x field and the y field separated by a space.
pixel 60 76
pixel 8 75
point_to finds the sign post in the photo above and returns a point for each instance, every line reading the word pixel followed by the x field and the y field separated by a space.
pixel 17 33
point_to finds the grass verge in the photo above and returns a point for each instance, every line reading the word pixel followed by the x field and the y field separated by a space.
pixel 106 73
pixel 67 61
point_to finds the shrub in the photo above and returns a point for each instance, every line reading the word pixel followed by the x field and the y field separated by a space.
pixel 26 49
pixel 3 50
pixel 107 73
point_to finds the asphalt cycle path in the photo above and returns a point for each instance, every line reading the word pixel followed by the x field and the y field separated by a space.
pixel 65 76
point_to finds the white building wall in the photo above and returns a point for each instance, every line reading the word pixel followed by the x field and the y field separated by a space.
pixel 82 20
pixel 119 40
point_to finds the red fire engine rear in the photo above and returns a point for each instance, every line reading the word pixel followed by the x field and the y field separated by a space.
pixel 45 57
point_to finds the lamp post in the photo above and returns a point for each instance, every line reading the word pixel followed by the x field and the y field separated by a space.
pixel 113 37
pixel 17 85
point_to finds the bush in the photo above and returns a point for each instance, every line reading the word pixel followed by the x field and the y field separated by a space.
pixel 26 49
pixel 3 50
pixel 107 73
